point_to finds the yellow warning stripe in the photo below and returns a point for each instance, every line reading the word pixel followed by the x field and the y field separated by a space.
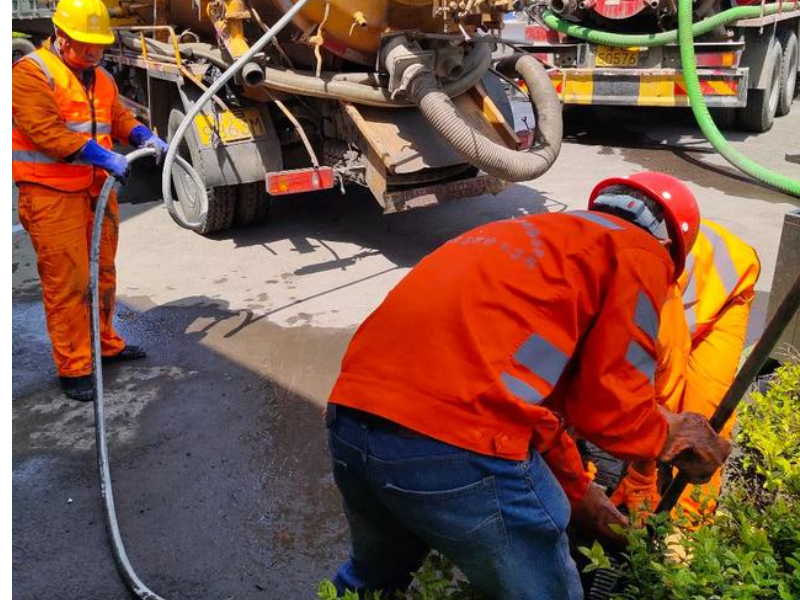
pixel 722 88
pixel 577 86
pixel 656 90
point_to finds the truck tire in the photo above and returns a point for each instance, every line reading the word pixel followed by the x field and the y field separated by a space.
pixel 221 209
pixel 20 47
pixel 788 72
pixel 252 203
pixel 221 201
pixel 762 105
pixel 724 118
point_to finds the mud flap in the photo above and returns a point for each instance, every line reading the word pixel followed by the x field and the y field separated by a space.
pixel 230 147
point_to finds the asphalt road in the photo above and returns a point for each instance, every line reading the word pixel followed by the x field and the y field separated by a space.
pixel 217 439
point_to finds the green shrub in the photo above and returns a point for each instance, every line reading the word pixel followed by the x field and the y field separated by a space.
pixel 750 549
pixel 436 579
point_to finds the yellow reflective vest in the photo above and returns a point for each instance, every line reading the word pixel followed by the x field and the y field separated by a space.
pixel 703 327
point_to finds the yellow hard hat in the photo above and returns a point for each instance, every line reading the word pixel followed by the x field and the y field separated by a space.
pixel 84 21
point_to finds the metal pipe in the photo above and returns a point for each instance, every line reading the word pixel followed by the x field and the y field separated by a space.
pixel 564 7
pixel 253 73
pixel 332 86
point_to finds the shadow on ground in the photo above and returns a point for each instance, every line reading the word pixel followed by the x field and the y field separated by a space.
pixel 221 474
pixel 312 220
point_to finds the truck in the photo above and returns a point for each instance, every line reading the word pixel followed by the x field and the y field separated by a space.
pixel 748 69
pixel 327 105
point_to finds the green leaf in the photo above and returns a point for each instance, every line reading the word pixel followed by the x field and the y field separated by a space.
pixel 326 590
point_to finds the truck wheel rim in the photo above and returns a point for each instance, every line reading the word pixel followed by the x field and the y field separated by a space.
pixel 775 87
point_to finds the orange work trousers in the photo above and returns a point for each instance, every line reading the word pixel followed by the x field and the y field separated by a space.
pixel 60 226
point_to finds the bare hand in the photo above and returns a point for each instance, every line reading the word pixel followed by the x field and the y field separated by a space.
pixel 595 513
pixel 693 446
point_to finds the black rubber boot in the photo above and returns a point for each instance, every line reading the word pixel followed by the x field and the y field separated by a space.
pixel 78 388
pixel 129 352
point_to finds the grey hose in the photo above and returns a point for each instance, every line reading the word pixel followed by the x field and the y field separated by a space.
pixel 132 580
pixel 331 86
pixel 477 149
pixel 166 187
pixel 106 491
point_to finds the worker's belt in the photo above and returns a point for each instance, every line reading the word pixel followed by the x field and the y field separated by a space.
pixel 371 421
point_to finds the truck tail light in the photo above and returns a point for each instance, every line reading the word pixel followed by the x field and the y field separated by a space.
pixel 717 59
pixel 297 181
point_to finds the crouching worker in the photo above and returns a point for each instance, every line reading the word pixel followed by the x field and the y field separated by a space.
pixel 66 111
pixel 701 338
pixel 456 386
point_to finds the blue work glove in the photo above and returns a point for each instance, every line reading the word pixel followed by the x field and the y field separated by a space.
pixel 94 154
pixel 142 137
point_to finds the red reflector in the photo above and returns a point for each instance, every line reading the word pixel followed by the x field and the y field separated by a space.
pixel 297 181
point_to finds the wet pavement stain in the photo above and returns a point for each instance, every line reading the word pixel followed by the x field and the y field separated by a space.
pixel 221 473
pixel 668 140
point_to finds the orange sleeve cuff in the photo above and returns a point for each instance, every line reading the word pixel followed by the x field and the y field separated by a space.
pixel 565 462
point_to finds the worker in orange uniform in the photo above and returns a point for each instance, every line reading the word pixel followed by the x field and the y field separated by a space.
pixel 66 110
pixel 702 335
pixel 455 389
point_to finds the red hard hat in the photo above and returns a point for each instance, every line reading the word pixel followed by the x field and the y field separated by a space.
pixel 681 213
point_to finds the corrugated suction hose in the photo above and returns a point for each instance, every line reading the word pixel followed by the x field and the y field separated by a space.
pixel 489 156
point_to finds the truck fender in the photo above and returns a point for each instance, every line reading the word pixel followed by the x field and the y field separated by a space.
pixel 228 162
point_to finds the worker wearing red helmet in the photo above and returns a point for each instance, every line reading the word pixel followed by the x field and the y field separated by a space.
pixel 456 388
pixel 66 112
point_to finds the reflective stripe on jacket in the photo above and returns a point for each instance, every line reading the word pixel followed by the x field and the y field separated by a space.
pixel 703 332
pixel 85 112
pixel 721 274
pixel 515 330
pixel 720 269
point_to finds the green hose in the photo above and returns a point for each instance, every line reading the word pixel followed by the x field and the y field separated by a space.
pixel 553 21
pixel 703 117
pixel 685 37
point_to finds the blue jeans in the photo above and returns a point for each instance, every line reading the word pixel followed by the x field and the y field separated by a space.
pixel 502 522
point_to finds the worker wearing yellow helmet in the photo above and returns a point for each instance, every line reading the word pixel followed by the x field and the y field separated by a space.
pixel 66 113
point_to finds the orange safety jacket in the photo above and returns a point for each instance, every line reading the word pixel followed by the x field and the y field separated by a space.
pixel 86 112
pixel 511 332
pixel 717 293
pixel 701 337
pixel 704 323
pixel 716 289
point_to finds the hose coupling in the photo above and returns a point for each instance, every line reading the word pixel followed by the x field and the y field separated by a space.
pixel 405 61
pixel 253 73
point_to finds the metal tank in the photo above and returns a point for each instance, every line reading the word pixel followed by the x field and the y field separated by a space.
pixel 629 15
pixel 350 29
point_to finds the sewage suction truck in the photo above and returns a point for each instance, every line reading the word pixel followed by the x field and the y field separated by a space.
pixel 395 96
pixel 626 52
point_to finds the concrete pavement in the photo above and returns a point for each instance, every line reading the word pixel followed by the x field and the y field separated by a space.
pixel 217 440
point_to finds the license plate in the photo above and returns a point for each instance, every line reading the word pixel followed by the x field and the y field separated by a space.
pixel 244 124
pixel 608 56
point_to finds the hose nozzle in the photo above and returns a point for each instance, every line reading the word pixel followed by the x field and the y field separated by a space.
pixel 253 74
